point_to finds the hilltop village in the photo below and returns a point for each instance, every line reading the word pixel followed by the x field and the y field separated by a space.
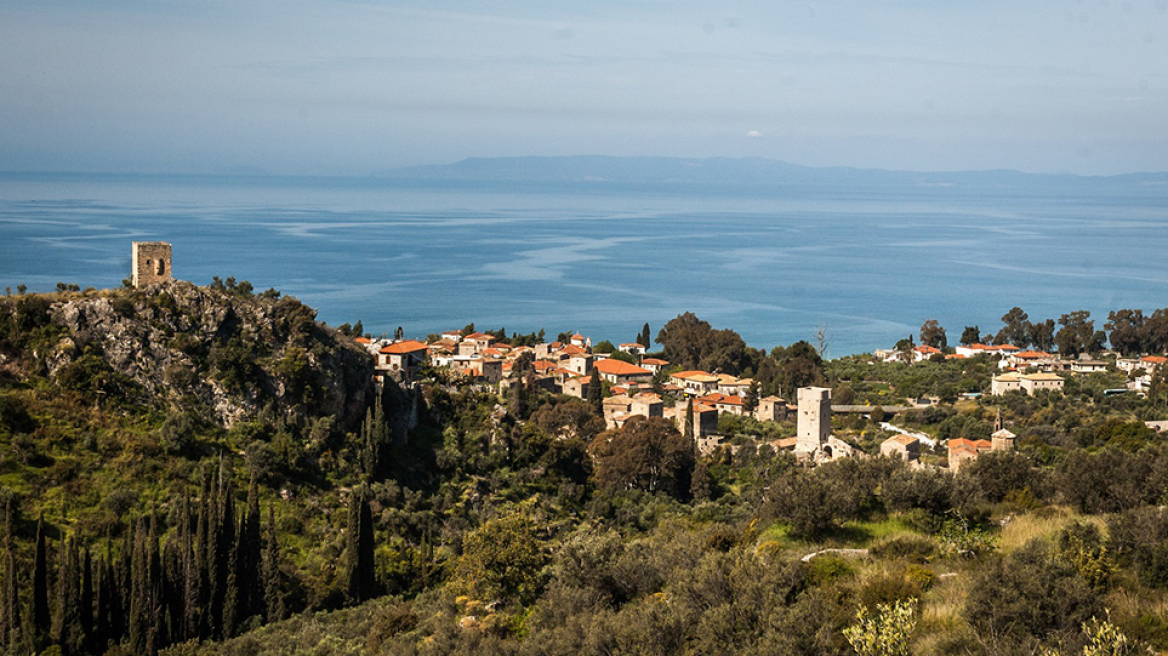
pixel 632 383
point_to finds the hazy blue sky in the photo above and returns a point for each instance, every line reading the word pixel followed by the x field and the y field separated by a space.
pixel 317 86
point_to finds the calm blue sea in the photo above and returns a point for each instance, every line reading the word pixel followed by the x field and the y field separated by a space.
pixel 870 264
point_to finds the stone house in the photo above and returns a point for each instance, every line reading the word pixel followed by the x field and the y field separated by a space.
pixel 402 360
pixel 770 408
pixel 906 447
pixel 695 383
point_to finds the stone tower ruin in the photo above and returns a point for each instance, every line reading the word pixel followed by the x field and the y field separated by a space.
pixel 814 419
pixel 151 263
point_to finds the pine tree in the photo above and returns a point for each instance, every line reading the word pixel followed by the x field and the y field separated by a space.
pixel 273 597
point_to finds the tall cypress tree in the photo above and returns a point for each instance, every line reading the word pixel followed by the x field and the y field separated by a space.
pixel 643 340
pixel 156 636
pixel 596 393
pixel 359 551
pixel 85 602
pixel 102 620
pixel 223 559
pixel 41 624
pixel 139 601
pixel 689 422
pixel 252 546
pixel 68 633
pixel 273 597
pixel 198 585
pixel 10 636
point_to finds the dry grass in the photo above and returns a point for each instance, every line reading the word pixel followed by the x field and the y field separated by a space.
pixel 1044 523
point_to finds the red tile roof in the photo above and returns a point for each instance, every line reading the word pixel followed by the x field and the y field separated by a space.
pixel 723 399
pixel 614 367
pixel 400 348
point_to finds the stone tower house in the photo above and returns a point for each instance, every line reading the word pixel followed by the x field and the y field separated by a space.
pixel 151 263
pixel 814 418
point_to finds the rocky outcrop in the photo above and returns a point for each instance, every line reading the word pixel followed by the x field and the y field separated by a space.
pixel 232 353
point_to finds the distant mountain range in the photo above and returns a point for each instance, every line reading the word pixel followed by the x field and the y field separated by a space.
pixel 751 171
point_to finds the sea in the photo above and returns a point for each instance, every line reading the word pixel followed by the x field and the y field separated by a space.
pixel 861 265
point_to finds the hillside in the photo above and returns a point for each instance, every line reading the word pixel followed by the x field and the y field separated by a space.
pixel 190 470
pixel 750 171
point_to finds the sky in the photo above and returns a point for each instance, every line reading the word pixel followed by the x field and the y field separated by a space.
pixel 328 87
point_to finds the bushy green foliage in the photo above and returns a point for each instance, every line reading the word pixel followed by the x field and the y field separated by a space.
pixel 502 560
pixel 885 632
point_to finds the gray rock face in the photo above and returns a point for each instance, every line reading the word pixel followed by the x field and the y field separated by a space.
pixel 235 354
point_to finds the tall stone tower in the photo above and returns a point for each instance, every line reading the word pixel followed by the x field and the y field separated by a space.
pixel 151 263
pixel 814 418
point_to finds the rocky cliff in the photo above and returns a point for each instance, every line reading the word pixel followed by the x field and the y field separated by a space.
pixel 223 352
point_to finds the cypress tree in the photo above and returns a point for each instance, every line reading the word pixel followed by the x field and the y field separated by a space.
pixel 120 576
pixel 41 623
pixel 139 590
pixel 366 547
pixel 85 605
pixel 156 636
pixel 68 633
pixel 199 578
pixel 188 623
pixel 359 552
pixel 273 597
pixel 102 620
pixel 233 597
pixel 643 340
pixel 689 422
pixel 596 394
pixel 10 636
pixel 252 547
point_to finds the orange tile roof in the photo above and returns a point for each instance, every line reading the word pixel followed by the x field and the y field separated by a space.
pixel 655 362
pixel 927 349
pixel 1154 359
pixel 1033 355
pixel 974 445
pixel 724 399
pixel 400 348
pixel 361 340
pixel 614 367
pixel 573 350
